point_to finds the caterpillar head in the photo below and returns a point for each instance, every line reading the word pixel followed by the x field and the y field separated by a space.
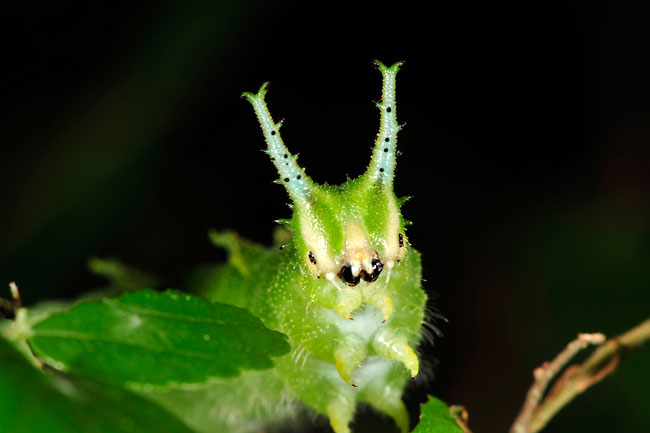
pixel 352 232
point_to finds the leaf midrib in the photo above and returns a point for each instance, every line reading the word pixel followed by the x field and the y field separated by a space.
pixel 91 337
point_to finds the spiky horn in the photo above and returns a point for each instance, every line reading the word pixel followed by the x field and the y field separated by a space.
pixel 292 176
pixel 382 165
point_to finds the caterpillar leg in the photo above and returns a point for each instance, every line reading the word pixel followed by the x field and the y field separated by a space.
pixel 381 300
pixel 385 395
pixel 391 344
pixel 320 387
pixel 348 355
pixel 340 413
pixel 348 301
pixel 394 408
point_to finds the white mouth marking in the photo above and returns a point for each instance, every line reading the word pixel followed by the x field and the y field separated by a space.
pixel 332 278
pixel 366 322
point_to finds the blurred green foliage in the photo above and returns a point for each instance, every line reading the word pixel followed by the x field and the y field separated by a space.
pixel 34 401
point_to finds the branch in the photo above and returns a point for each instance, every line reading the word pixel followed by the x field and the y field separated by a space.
pixel 462 417
pixel 8 307
pixel 536 413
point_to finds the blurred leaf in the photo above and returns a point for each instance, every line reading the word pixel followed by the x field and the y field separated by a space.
pixel 236 281
pixel 122 277
pixel 151 338
pixel 32 402
pixel 436 418
pixel 225 405
pixel 246 261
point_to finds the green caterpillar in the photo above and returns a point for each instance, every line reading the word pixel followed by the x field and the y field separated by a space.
pixel 346 290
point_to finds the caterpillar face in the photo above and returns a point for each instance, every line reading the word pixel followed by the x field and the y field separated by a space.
pixel 368 269
pixel 359 259
pixel 332 292
pixel 354 232
pixel 356 258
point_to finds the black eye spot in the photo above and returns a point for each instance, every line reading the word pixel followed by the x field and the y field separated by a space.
pixel 401 240
pixel 387 139
pixel 272 132
pixel 311 257
pixel 286 179
pixel 286 156
pixel 386 149
pixel 298 177
pixel 381 169
pixel 346 276
pixel 377 267
pixel 388 110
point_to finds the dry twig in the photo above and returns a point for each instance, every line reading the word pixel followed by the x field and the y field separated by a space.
pixel 8 307
pixel 462 417
pixel 536 413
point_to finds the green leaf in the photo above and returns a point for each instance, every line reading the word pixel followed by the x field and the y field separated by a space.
pixel 34 402
pixel 436 418
pixel 152 338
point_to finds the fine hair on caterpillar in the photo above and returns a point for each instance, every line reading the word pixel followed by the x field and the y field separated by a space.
pixel 345 290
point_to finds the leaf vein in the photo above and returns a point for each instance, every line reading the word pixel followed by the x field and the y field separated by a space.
pixel 90 337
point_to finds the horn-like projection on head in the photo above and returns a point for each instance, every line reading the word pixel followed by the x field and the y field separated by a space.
pixel 291 175
pixel 353 231
pixel 349 259
pixel 382 164
pixel 380 173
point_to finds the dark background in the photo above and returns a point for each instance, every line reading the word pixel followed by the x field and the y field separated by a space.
pixel 527 152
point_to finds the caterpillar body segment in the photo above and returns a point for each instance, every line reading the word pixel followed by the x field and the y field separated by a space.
pixel 346 290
